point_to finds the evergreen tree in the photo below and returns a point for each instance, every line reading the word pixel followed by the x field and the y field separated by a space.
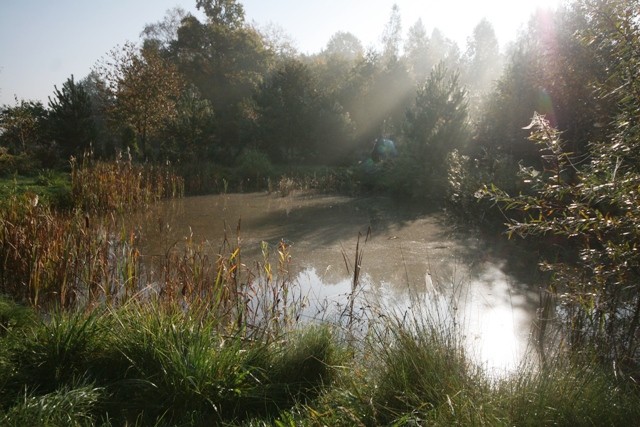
pixel 435 126
pixel 71 118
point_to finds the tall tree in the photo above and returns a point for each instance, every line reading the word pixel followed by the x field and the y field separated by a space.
pixel 226 61
pixel 593 207
pixel 483 57
pixel 142 88
pixel 435 126
pixel 104 139
pixel 416 52
pixel 392 35
pixel 286 105
pixel 345 46
pixel 163 34
pixel 223 13
pixel 277 42
pixel 71 118
pixel 376 95
pixel 443 49
pixel 190 135
pixel 550 72
pixel 334 64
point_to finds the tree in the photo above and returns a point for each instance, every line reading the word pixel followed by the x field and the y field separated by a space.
pixel 484 62
pixel 416 52
pixel 376 94
pixel 333 66
pixel 278 42
pixel 392 35
pixel 593 208
pixel 226 61
pixel 223 13
pixel 142 89
pixel 435 126
pixel 286 106
pixel 344 46
pixel 163 34
pixel 298 122
pixel 190 135
pixel 71 118
pixel 23 126
pixel 443 49
pixel 104 141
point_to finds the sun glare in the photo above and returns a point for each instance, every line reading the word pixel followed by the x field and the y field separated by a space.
pixel 457 18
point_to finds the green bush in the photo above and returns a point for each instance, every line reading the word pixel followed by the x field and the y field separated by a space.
pixel 254 168
pixel 19 164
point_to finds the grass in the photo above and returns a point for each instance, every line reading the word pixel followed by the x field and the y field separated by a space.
pixel 52 187
pixel 120 185
pixel 145 363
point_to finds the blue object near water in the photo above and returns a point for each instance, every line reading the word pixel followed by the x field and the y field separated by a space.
pixel 383 149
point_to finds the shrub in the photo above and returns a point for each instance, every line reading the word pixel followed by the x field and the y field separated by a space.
pixel 254 168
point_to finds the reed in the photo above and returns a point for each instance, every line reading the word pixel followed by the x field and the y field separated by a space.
pixel 51 259
pixel 355 270
pixel 60 260
pixel 120 185
pixel 83 256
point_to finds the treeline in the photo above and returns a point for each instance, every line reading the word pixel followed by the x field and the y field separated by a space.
pixel 219 90
pixel 213 89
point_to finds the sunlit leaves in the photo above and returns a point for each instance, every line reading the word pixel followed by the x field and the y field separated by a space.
pixel 143 89
pixel 594 213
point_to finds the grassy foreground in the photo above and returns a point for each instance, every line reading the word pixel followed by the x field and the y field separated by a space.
pixel 151 364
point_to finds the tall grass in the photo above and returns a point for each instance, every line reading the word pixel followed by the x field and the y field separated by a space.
pixel 51 259
pixel 148 363
pixel 120 185
pixel 571 392
pixel 65 407
pixel 159 364
pixel 414 370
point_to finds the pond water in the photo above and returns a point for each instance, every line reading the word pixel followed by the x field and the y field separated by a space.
pixel 412 258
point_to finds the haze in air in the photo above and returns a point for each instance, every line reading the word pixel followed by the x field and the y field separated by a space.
pixel 214 220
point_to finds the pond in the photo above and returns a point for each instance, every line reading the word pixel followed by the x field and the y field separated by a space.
pixel 412 253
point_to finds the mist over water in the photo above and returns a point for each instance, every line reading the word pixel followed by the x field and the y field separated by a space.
pixel 414 262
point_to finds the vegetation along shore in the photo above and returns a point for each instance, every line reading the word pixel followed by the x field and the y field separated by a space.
pixel 538 142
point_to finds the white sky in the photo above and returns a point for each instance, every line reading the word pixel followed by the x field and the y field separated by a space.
pixel 43 42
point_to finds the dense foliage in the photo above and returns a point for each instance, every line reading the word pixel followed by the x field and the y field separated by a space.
pixel 590 205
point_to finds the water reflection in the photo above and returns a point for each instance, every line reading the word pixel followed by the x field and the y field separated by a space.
pixel 412 253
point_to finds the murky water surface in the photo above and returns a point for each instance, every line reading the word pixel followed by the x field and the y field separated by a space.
pixel 412 254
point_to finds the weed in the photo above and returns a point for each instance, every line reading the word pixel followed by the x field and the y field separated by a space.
pixel 120 185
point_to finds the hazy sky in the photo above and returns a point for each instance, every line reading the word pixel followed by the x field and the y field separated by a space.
pixel 43 42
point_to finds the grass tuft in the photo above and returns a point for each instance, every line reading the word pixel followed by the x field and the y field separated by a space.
pixel 74 407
